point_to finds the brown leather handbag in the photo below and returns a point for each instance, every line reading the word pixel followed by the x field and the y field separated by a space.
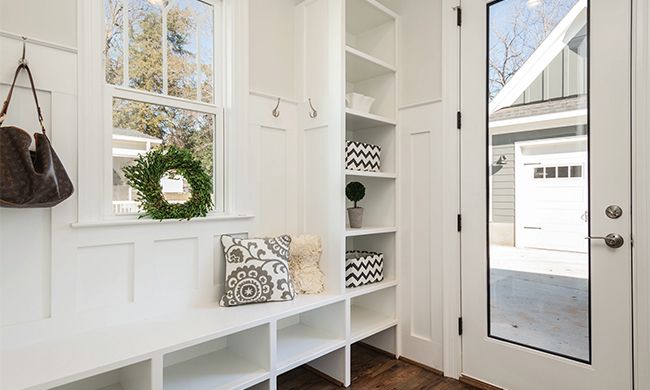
pixel 29 179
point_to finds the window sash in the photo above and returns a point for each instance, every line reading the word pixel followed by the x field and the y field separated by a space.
pixel 218 27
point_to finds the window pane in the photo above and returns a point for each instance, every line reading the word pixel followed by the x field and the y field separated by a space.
pixel 550 172
pixel 189 50
pixel 114 41
pixel 139 127
pixel 145 45
pixel 576 171
pixel 538 276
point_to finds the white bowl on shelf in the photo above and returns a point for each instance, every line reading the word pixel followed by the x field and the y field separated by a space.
pixel 359 102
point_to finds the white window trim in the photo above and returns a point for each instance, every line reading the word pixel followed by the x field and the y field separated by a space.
pixel 95 115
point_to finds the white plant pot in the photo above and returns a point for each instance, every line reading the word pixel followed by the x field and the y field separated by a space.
pixel 359 102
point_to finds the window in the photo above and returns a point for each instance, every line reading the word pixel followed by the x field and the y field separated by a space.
pixel 575 171
pixel 163 79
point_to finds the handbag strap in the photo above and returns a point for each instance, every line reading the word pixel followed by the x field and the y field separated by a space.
pixel 5 105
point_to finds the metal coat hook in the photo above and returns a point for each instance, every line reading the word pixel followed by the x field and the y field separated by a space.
pixel 312 111
pixel 276 111
pixel 23 60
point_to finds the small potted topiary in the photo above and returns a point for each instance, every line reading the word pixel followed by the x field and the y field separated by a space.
pixel 355 191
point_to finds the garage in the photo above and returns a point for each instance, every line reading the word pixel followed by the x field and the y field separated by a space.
pixel 551 194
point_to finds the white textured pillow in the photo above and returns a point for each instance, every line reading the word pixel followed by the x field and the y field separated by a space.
pixel 256 270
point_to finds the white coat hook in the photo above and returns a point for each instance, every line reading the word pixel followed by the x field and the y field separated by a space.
pixel 23 60
pixel 276 111
pixel 312 111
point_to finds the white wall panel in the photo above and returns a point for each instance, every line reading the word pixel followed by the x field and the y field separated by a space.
pixel 25 270
pixel 104 276
pixel 421 250
pixel 176 265
pixel 54 21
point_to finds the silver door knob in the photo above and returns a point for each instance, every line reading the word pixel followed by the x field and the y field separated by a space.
pixel 612 240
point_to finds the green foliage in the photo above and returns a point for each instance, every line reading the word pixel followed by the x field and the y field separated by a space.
pixel 355 191
pixel 144 176
pixel 184 129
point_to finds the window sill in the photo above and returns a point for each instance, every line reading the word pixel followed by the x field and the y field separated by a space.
pixel 129 221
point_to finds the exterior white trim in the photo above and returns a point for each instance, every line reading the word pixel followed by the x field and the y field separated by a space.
pixel 555 119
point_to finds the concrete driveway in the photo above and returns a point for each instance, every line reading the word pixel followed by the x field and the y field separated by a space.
pixel 540 298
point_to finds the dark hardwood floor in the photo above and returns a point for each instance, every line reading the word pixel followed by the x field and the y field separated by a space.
pixel 373 370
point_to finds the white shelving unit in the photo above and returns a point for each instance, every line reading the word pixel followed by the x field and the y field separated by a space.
pixel 370 60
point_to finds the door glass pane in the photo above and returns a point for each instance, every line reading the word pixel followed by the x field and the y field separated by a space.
pixel 538 155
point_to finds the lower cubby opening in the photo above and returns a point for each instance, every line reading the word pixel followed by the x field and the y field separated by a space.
pixel 134 377
pixel 327 371
pixel 304 336
pixel 372 313
pixel 237 361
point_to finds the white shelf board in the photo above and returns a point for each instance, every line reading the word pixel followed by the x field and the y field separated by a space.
pixel 365 231
pixel 380 175
pixel 357 120
pixel 298 344
pixel 75 356
pixel 361 66
pixel 365 322
pixel 370 288
pixel 215 371
pixel 363 15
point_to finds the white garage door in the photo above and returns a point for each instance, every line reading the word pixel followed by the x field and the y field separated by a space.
pixel 551 200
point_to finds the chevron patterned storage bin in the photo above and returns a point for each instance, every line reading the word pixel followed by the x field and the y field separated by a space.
pixel 360 156
pixel 363 268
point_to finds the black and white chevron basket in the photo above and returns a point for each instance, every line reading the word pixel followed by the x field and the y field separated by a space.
pixel 363 267
pixel 360 156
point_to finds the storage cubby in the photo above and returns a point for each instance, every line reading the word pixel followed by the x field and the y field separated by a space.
pixel 372 313
pixel 371 28
pixel 382 243
pixel 370 79
pixel 379 202
pixel 134 377
pixel 305 336
pixel 236 361
pixel 383 136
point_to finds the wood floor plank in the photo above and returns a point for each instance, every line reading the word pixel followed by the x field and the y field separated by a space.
pixel 372 370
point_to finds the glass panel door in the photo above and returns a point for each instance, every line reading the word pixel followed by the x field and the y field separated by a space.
pixel 538 175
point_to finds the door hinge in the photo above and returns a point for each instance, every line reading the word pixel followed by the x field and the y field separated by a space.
pixel 459 118
pixel 459 222
pixel 460 326
pixel 459 16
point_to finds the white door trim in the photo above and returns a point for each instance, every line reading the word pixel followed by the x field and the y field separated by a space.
pixel 452 364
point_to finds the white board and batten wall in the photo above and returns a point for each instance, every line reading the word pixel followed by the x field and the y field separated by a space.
pixel 83 277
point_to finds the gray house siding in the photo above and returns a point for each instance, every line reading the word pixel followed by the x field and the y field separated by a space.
pixel 503 184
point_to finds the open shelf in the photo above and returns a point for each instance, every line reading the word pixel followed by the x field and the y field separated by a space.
pixel 361 66
pixel 370 288
pixel 306 336
pixel 134 377
pixel 372 313
pixel 371 28
pixel 368 230
pixel 380 175
pixel 237 361
pixel 356 120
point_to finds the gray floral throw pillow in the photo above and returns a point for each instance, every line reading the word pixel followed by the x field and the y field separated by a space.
pixel 256 270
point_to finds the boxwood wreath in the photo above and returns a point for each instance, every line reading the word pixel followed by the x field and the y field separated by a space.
pixel 145 174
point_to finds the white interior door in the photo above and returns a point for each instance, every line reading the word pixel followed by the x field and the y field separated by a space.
pixel 545 98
